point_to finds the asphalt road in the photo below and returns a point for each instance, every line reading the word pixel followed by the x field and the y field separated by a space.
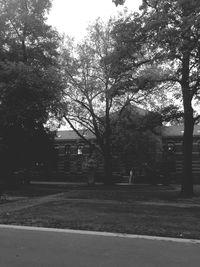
pixel 28 248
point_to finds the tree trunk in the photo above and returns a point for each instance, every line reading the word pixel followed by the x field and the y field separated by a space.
pixel 24 51
pixel 107 145
pixel 187 179
pixel 187 93
pixel 107 167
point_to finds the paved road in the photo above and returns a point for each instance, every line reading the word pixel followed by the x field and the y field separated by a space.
pixel 28 248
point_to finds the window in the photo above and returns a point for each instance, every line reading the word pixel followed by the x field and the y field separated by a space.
pixel 171 147
pixel 80 150
pixel 67 149
pixel 198 146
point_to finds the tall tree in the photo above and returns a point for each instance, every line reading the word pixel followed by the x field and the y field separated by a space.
pixel 89 99
pixel 30 80
pixel 167 35
pixel 134 139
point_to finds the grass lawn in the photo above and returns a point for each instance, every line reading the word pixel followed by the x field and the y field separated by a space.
pixel 138 209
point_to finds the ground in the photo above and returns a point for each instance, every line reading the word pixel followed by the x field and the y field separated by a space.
pixel 136 209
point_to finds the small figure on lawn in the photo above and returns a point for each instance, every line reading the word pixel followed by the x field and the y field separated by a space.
pixel 131 176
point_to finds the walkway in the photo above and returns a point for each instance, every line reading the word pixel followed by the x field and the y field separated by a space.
pixel 23 203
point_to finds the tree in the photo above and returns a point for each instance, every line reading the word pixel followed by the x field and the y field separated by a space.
pixel 119 2
pixel 30 79
pixel 89 100
pixel 166 34
pixel 134 139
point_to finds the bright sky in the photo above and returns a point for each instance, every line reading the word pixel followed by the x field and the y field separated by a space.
pixel 72 16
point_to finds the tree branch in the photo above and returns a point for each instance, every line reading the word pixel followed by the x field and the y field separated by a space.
pixel 81 135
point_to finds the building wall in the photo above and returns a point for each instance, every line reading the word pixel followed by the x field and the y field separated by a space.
pixel 178 153
pixel 70 160
pixel 71 155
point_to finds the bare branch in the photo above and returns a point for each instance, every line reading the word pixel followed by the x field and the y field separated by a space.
pixel 196 119
pixel 88 141
pixel 85 124
pixel 195 87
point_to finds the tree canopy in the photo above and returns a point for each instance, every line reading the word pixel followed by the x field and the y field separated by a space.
pixel 165 34
pixel 30 79
pixel 88 95
pixel 96 92
pixel 135 141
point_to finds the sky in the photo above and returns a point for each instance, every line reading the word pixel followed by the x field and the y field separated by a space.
pixel 73 16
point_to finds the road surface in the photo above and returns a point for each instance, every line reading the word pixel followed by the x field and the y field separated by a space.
pixel 31 247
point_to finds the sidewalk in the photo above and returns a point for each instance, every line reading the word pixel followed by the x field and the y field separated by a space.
pixel 35 247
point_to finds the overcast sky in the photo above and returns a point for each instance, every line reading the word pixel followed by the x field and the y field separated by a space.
pixel 72 16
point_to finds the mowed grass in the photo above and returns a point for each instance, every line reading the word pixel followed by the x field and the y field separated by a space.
pixel 123 209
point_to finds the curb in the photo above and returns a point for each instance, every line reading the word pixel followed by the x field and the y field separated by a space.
pixel 95 233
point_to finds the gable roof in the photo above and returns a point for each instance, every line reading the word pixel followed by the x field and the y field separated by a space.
pixel 177 130
pixel 135 110
pixel 164 131
pixel 72 135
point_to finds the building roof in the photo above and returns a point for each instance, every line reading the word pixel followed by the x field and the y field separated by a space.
pixel 164 131
pixel 177 131
pixel 136 110
pixel 72 135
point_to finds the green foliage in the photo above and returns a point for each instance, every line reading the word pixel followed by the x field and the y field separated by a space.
pixel 26 36
pixel 30 80
pixel 28 94
pixel 133 139
pixel 172 114
pixel 156 40
pixel 93 95
pixel 163 41
pixel 88 81
pixel 165 36
pixel 119 2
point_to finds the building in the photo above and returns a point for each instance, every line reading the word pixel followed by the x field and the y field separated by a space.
pixel 72 151
pixel 172 140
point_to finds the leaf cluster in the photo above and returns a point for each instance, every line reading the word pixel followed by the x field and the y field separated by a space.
pixel 152 49
pixel 30 78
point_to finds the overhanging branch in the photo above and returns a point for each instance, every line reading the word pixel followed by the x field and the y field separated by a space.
pixel 91 144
